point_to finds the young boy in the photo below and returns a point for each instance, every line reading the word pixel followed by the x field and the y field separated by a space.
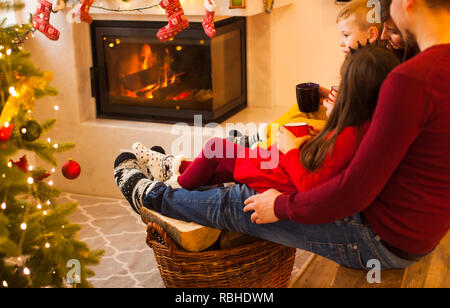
pixel 354 24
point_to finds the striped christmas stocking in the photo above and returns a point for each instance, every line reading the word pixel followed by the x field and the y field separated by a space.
pixel 83 12
pixel 208 21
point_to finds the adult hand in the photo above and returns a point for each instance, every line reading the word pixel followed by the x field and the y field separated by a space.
pixel 263 207
pixel 287 140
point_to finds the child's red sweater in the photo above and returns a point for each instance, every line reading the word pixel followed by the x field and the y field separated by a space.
pixel 289 175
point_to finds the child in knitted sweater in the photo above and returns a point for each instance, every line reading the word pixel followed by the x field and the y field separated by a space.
pixel 285 167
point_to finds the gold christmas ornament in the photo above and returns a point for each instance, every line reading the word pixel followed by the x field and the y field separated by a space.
pixel 22 96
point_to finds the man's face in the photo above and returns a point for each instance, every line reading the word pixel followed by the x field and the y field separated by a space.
pixel 399 16
pixel 402 20
pixel 351 34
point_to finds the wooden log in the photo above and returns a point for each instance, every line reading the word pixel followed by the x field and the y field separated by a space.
pixel 188 235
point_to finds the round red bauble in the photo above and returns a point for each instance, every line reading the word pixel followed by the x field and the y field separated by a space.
pixel 71 169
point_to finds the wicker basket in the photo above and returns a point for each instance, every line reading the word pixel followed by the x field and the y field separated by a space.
pixel 261 264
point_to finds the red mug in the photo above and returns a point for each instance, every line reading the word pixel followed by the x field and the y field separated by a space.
pixel 298 129
pixel 333 94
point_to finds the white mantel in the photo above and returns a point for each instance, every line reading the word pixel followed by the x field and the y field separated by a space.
pixel 190 7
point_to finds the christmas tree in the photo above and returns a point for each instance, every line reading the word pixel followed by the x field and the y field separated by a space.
pixel 38 245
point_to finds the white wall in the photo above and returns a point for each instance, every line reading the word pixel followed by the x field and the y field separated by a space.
pixel 305 47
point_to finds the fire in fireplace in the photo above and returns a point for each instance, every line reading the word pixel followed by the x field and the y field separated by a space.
pixel 137 77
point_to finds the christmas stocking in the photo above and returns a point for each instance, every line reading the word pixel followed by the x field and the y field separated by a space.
pixel 176 18
pixel 208 21
pixel 41 20
pixel 83 12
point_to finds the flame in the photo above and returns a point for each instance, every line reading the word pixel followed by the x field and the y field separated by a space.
pixel 148 59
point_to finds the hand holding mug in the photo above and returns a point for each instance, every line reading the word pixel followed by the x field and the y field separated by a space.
pixel 288 141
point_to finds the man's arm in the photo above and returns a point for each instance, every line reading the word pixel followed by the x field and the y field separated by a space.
pixel 397 122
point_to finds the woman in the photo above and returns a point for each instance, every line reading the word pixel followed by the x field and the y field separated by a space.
pixel 392 35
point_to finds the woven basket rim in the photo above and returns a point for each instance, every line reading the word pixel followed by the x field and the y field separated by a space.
pixel 229 251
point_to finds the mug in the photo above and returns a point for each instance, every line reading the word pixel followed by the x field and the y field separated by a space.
pixel 333 94
pixel 308 97
pixel 298 129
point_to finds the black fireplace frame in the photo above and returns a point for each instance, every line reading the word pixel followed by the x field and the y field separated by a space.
pixel 99 81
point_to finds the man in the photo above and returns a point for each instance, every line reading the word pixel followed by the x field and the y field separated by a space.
pixel 382 175
pixel 393 201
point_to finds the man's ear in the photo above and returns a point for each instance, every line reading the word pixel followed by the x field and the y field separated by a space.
pixel 410 4
pixel 374 34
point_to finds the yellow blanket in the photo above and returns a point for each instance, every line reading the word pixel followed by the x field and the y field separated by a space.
pixel 317 119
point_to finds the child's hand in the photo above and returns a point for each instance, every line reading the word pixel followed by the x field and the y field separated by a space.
pixel 287 141
pixel 329 106
pixel 314 131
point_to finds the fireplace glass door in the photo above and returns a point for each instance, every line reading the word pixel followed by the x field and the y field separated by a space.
pixel 137 77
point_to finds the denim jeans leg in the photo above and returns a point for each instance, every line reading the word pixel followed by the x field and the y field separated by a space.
pixel 347 241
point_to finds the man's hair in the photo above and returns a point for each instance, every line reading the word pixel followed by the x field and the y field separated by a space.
pixel 438 4
pixel 359 9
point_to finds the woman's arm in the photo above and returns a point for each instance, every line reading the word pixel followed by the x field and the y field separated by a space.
pixel 336 161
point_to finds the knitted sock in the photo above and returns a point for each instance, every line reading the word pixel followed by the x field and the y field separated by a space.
pixel 177 22
pixel 208 21
pixel 83 12
pixel 161 166
pixel 133 184
pixel 42 18
pixel 259 136
pixel 158 149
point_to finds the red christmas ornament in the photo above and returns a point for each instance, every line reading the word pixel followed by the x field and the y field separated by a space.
pixel 5 132
pixel 71 169
pixel 22 164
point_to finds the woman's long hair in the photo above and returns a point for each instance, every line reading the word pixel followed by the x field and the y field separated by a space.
pixel 362 74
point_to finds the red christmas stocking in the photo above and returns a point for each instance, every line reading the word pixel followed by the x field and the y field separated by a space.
pixel 177 21
pixel 41 20
pixel 83 12
pixel 208 21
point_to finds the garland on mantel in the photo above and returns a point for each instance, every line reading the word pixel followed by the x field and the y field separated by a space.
pixel 127 10
pixel 268 6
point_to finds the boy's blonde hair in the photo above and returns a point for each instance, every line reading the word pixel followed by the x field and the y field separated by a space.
pixel 359 9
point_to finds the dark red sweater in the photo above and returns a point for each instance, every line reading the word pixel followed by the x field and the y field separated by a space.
pixel 400 175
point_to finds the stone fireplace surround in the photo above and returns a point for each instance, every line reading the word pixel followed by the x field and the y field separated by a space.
pixel 100 140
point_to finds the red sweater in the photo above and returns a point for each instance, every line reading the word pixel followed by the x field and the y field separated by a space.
pixel 289 175
pixel 400 175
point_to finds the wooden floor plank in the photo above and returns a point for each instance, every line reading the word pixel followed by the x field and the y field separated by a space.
pixel 319 274
pixel 352 278
pixel 432 271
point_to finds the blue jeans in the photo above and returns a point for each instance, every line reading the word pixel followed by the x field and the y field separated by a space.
pixel 349 242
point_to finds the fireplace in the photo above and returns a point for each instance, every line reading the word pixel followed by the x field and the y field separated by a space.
pixel 137 77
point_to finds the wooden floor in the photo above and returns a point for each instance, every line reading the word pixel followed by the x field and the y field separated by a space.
pixel 433 271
